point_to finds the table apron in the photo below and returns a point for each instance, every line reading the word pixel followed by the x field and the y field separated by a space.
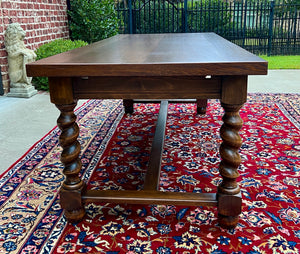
pixel 147 87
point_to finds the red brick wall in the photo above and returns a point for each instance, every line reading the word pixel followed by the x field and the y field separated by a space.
pixel 42 20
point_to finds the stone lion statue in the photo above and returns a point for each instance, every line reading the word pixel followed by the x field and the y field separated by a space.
pixel 18 55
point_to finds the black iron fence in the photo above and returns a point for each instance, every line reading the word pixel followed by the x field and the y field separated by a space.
pixel 261 27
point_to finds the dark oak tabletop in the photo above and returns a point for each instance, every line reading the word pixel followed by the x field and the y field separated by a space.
pixel 188 54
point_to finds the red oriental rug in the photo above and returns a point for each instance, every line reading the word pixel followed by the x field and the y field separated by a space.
pixel 115 151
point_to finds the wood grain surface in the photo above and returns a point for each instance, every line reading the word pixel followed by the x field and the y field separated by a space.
pixel 188 54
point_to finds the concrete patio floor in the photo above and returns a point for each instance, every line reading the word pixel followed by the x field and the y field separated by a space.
pixel 25 121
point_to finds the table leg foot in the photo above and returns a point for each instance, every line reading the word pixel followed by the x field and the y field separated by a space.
pixel 74 216
pixel 228 222
pixel 72 204
pixel 201 106
pixel 128 106
pixel 229 208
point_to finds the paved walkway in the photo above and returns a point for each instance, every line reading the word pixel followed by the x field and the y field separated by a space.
pixel 277 81
pixel 24 121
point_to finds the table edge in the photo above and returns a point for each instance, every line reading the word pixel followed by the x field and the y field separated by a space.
pixel 161 69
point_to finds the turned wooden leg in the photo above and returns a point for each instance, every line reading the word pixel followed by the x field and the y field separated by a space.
pixel 229 195
pixel 73 186
pixel 201 106
pixel 128 106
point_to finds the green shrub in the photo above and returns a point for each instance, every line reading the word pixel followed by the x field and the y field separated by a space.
pixel 160 16
pixel 208 16
pixel 156 17
pixel 53 48
pixel 93 20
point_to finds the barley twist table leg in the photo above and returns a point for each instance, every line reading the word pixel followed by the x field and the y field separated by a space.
pixel 70 193
pixel 229 196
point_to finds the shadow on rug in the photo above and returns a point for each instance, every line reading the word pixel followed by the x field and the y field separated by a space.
pixel 115 152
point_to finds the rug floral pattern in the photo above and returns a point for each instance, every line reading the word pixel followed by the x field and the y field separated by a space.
pixel 115 153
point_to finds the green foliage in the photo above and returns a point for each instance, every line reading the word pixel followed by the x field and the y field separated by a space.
pixel 287 2
pixel 53 48
pixel 58 46
pixel 161 16
pixel 157 17
pixel 93 20
pixel 208 16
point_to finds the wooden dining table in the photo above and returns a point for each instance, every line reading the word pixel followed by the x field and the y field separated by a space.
pixel 197 66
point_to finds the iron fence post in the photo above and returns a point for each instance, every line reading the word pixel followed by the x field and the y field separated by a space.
pixel 130 16
pixel 295 25
pixel 185 19
pixel 271 19
pixel 270 33
pixel 245 12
